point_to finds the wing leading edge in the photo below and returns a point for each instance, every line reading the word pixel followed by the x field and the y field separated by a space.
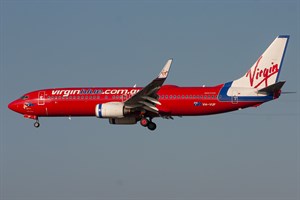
pixel 147 97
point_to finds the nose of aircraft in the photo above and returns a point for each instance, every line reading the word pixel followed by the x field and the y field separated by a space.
pixel 13 106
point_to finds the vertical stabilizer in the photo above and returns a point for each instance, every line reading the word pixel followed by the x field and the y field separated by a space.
pixel 265 71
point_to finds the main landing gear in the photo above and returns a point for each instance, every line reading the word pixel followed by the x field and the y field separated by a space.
pixel 148 123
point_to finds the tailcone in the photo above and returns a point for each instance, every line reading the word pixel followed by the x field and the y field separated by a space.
pixel 277 94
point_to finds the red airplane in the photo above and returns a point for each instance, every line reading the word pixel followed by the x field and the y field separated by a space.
pixel 128 105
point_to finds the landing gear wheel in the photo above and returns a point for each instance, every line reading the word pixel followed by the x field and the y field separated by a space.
pixel 36 124
pixel 151 126
pixel 144 122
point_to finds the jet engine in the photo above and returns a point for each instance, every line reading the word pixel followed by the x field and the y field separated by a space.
pixel 111 110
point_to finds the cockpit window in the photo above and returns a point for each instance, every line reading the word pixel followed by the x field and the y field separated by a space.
pixel 24 97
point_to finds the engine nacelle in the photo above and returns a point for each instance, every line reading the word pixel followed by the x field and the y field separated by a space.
pixel 124 120
pixel 110 110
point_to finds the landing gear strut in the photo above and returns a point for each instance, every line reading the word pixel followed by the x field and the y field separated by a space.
pixel 148 123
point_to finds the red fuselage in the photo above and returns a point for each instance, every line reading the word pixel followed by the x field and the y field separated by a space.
pixel 175 101
pixel 130 105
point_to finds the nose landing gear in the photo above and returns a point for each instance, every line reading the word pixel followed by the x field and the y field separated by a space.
pixel 148 123
pixel 34 117
pixel 36 124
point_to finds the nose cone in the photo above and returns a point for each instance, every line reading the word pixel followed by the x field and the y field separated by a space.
pixel 14 106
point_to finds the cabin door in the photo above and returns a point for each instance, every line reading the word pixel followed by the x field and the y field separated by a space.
pixel 41 98
pixel 234 98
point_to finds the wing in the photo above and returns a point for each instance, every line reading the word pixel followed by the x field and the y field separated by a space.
pixel 147 97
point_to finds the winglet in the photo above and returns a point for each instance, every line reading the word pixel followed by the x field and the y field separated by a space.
pixel 164 72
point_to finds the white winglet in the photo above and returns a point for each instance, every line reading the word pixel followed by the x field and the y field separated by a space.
pixel 164 72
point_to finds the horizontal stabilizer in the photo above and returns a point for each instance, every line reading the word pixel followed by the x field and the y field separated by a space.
pixel 272 88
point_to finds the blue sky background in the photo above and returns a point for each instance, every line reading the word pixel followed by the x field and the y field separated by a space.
pixel 251 154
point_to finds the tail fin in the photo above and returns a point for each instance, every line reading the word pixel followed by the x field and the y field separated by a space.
pixel 265 71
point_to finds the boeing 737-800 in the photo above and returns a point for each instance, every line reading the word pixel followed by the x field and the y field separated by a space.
pixel 129 105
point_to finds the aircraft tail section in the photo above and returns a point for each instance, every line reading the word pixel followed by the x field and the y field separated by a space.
pixel 271 89
pixel 265 71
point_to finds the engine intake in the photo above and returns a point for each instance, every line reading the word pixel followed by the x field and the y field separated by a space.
pixel 110 110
